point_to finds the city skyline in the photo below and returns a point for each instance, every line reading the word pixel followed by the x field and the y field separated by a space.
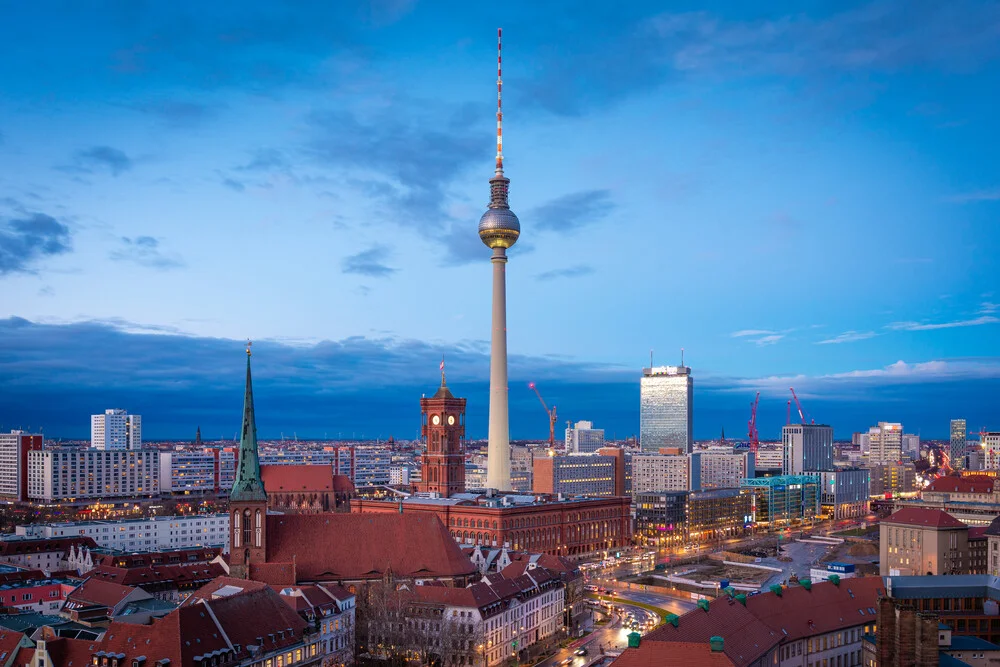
pixel 245 175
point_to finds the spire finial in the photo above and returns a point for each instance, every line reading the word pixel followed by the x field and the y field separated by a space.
pixel 442 371
pixel 249 344
pixel 499 105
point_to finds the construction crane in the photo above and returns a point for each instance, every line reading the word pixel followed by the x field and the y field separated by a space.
pixel 551 413
pixel 798 406
pixel 752 425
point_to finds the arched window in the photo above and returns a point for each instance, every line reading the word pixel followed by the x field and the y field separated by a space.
pixel 257 529
pixel 236 528
pixel 247 527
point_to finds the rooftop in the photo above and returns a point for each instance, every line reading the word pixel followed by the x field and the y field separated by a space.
pixel 924 517
pixel 971 484
pixel 678 654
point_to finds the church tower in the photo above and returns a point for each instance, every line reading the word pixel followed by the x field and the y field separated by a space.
pixel 248 499
pixel 443 464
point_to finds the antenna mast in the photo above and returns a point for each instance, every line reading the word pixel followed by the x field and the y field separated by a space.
pixel 499 106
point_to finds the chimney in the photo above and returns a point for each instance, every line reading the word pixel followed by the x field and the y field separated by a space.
pixel 716 643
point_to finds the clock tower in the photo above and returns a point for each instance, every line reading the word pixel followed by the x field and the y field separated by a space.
pixel 443 428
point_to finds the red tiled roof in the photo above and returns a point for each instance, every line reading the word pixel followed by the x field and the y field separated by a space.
pixel 274 574
pixel 9 641
pixel 66 652
pixel 339 547
pixel 44 545
pixel 164 575
pixel 747 638
pixel 178 557
pixel 676 654
pixel 768 619
pixel 977 532
pixel 825 608
pixel 489 591
pixel 343 484
pixel 199 629
pixel 925 517
pixel 212 587
pixel 971 484
pixel 23 657
pixel 96 591
pixel 287 479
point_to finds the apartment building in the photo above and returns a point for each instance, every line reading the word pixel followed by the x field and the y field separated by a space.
pixel 84 475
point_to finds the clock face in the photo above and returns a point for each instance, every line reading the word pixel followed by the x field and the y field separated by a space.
pixel 436 419
pixel 451 420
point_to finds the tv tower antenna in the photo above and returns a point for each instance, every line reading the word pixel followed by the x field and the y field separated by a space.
pixel 499 104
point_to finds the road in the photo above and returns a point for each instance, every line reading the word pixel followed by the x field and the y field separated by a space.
pixel 605 636
pixel 665 602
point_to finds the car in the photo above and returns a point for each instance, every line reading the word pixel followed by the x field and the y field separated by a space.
pixel 581 651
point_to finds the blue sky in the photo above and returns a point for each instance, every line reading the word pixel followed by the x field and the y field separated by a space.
pixel 803 193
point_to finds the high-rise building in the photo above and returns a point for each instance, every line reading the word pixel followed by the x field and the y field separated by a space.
pixel 725 470
pixel 583 438
pixel 14 448
pixel 499 229
pixel 442 466
pixel 577 475
pixel 666 472
pixel 911 445
pixel 115 429
pixel 886 443
pixel 806 447
pixel 79 475
pixel 990 443
pixel 957 450
pixel 665 408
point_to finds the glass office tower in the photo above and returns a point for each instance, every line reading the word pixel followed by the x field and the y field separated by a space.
pixel 665 404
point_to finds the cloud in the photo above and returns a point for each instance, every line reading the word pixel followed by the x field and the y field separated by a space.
pixel 750 332
pixel 403 162
pixel 369 262
pixel 988 308
pixel 847 384
pixel 54 376
pixel 848 337
pixel 233 184
pixel 265 159
pixel 768 340
pixel 932 326
pixel 573 211
pixel 760 337
pixel 876 37
pixel 569 272
pixel 103 157
pixel 28 238
pixel 144 251
pixel 976 196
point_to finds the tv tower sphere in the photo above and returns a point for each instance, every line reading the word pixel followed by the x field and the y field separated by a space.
pixel 499 227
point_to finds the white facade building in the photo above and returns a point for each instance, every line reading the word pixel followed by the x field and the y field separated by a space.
pixel 203 471
pixel 115 429
pixel 991 450
pixel 724 470
pixel 14 448
pixel 70 475
pixel 583 438
pixel 770 456
pixel 886 442
pixel 666 472
pixel 155 534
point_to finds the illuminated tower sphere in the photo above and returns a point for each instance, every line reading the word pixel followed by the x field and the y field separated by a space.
pixel 499 229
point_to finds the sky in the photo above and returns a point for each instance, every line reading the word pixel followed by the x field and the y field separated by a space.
pixel 798 194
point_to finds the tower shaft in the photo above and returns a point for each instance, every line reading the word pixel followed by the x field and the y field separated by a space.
pixel 498 451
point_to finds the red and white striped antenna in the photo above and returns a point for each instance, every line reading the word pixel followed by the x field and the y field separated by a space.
pixel 499 106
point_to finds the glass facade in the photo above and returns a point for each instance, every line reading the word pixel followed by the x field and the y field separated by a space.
pixel 957 453
pixel 665 408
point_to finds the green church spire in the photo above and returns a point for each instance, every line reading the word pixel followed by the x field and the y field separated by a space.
pixel 248 485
